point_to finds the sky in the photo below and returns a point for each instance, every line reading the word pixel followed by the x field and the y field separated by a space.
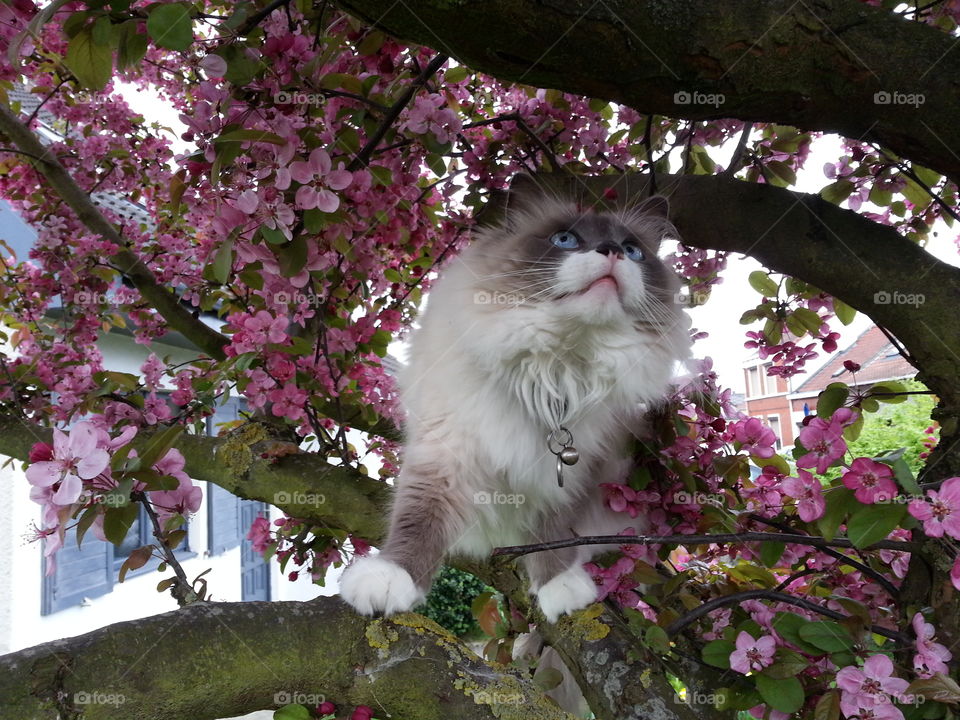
pixel 721 314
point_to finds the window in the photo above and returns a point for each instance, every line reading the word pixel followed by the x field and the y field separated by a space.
pixel 223 507
pixel 753 381
pixel 773 421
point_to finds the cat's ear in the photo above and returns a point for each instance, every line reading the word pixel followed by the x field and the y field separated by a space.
pixel 525 191
pixel 655 206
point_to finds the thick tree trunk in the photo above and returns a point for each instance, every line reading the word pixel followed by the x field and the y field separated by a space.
pixel 816 65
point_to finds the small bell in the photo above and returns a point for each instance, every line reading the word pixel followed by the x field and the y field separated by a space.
pixel 570 455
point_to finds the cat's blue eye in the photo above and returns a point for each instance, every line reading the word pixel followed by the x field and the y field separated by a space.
pixel 633 251
pixel 565 240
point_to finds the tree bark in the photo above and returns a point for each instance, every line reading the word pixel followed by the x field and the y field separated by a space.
pixel 211 660
pixel 816 65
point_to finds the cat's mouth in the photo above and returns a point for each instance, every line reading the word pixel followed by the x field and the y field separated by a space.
pixel 605 281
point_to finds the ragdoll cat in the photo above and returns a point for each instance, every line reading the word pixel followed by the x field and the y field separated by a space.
pixel 558 320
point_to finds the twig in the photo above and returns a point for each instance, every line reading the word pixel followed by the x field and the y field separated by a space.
pixel 363 157
pixel 846 559
pixel 677 625
pixel 184 592
pixel 648 144
pixel 714 538
pixel 738 152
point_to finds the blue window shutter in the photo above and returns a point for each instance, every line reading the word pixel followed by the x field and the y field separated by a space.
pixel 223 507
pixel 85 572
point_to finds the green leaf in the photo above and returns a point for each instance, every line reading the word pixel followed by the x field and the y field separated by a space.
pixel 783 694
pixel 831 399
pixel 844 312
pixel 656 638
pixel 456 74
pixel 872 523
pixel 788 625
pixel 894 387
pixel 292 256
pixel 101 31
pixel 717 653
pixel 131 46
pixel 247 135
pixel 241 67
pixel 826 635
pixel 840 501
pixel 291 712
pixel 787 664
pixel 770 553
pixel 837 192
pixel 170 26
pixel 118 521
pixel 159 444
pixel 92 64
pixel 761 282
pixel 223 262
pixel 828 706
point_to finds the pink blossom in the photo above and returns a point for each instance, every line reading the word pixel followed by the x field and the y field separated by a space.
pixel 183 500
pixel 755 437
pixel 808 492
pixel 870 480
pixel 760 712
pixel 259 534
pixel 824 444
pixel 940 511
pixel 752 655
pixel 318 179
pixel 931 656
pixel 869 688
pixel 955 573
pixel 75 458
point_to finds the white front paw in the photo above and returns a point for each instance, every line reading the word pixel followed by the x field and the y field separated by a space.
pixel 373 585
pixel 571 590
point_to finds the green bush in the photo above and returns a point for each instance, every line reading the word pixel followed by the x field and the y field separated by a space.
pixel 448 603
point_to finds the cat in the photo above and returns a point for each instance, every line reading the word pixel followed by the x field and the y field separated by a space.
pixel 555 319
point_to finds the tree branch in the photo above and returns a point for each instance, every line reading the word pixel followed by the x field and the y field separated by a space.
pixel 128 264
pixel 303 485
pixel 736 598
pixel 214 660
pixel 709 538
pixel 814 65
